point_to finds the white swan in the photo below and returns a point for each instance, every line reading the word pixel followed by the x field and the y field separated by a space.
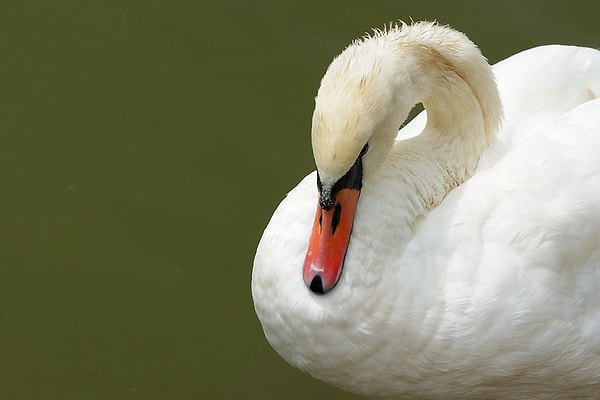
pixel 470 268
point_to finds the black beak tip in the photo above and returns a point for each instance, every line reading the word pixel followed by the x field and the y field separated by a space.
pixel 316 285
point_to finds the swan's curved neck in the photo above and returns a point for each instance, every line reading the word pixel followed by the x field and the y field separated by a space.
pixel 455 84
pixel 369 89
pixel 463 113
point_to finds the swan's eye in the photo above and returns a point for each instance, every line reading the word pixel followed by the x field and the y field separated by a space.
pixel 364 150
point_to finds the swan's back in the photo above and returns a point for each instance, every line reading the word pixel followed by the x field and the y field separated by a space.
pixel 541 85
pixel 552 79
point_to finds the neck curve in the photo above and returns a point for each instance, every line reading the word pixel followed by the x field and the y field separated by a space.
pixel 369 89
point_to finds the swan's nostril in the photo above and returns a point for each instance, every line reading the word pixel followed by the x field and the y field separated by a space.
pixel 335 220
pixel 316 285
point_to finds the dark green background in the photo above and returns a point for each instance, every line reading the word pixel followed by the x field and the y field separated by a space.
pixel 144 145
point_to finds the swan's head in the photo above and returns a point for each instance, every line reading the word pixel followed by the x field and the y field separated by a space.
pixel 359 108
pixel 361 102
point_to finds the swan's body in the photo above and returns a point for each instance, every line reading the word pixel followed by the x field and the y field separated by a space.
pixel 473 268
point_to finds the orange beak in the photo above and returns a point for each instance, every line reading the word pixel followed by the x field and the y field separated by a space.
pixel 329 242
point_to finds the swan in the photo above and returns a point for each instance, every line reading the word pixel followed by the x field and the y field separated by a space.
pixel 458 258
